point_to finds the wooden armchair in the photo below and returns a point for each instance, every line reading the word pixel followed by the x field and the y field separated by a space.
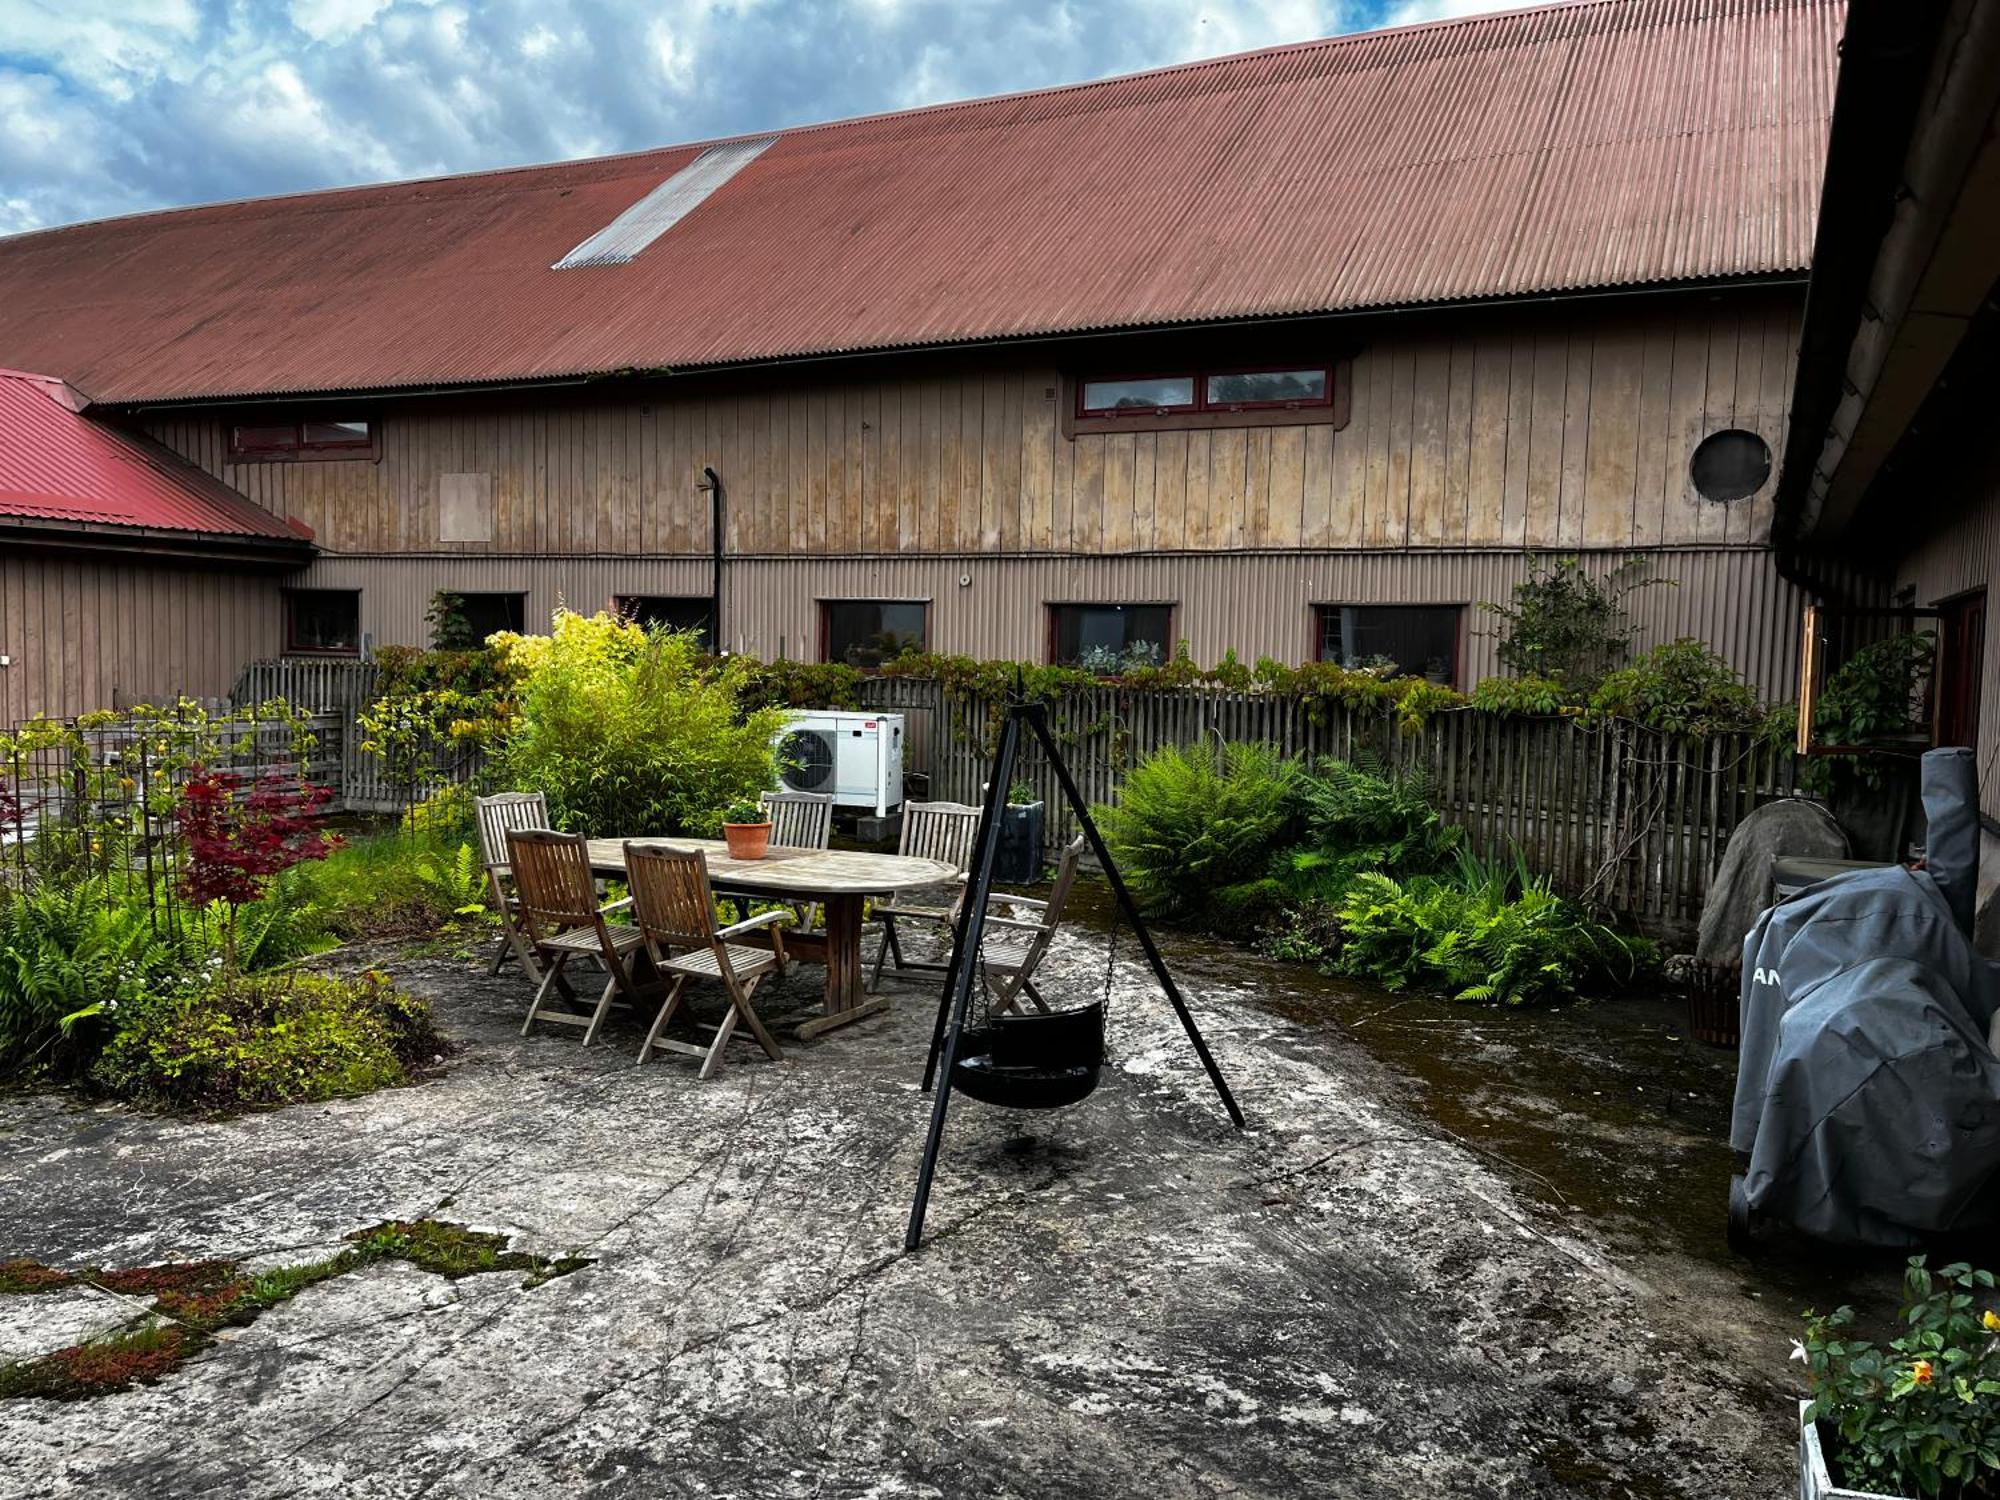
pixel 560 920
pixel 675 910
pixel 1015 944
pixel 497 817
pixel 931 830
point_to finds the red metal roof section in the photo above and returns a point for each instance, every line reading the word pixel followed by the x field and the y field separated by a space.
pixel 1606 144
pixel 59 465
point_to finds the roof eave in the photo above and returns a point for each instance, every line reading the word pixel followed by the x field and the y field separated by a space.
pixel 54 533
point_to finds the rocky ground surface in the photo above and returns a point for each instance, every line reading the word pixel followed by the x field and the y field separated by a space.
pixel 1456 1252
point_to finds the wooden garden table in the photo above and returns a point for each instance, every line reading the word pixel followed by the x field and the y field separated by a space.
pixel 839 880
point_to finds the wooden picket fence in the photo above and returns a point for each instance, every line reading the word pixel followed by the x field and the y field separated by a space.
pixel 1621 815
pixel 341 690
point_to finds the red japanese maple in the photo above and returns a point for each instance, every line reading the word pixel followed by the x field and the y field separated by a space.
pixel 239 834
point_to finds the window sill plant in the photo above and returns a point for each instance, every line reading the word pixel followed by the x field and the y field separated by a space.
pixel 746 828
pixel 1917 1417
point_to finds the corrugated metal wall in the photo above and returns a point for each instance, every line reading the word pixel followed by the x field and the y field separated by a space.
pixel 81 635
pixel 1255 604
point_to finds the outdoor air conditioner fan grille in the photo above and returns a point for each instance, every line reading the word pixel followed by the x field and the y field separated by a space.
pixel 807 758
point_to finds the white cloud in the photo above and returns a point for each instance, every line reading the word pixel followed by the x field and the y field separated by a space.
pixel 1413 11
pixel 334 20
pixel 107 106
pixel 539 41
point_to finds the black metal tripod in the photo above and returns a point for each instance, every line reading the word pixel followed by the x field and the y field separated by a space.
pixel 961 974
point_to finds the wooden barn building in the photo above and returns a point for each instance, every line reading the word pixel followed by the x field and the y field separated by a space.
pixel 1296 353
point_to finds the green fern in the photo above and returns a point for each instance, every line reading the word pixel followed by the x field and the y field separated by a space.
pixel 455 880
pixel 1194 829
pixel 1490 934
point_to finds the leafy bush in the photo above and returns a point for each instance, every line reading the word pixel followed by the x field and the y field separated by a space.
pixel 1681 687
pixel 798 684
pixel 1877 692
pixel 1565 624
pixel 1922 1416
pixel 450 630
pixel 1351 819
pixel 1480 936
pixel 444 810
pixel 1193 822
pixel 632 731
pixel 268 1040
pixel 1348 809
pixel 1537 696
pixel 239 834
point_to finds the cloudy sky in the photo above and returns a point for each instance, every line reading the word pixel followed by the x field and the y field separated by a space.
pixel 112 106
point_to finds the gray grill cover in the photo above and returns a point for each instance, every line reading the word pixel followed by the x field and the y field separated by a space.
pixel 1867 1097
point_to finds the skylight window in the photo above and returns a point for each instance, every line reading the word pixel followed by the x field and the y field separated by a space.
pixel 673 200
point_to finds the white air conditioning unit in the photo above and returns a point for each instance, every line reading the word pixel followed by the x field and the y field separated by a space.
pixel 857 757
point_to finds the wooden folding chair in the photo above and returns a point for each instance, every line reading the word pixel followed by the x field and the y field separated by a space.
pixel 675 909
pixel 1014 945
pixel 931 830
pixel 799 820
pixel 562 920
pixel 497 816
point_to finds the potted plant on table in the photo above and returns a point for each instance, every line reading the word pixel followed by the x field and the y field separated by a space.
pixel 1919 1416
pixel 746 828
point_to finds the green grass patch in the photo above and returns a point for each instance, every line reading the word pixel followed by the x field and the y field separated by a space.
pixel 190 1300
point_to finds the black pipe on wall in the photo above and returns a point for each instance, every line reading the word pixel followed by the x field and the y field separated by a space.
pixel 712 482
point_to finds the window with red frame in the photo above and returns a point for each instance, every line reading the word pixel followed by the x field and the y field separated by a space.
pixel 303 440
pixel 1272 388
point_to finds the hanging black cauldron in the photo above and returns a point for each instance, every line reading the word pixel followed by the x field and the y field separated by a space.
pixel 1032 1061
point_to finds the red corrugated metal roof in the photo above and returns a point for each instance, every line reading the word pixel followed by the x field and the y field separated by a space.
pixel 57 465
pixel 1603 144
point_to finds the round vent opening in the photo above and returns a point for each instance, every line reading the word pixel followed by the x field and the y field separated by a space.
pixel 805 759
pixel 1730 465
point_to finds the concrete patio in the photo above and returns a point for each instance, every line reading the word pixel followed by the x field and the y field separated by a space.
pixel 1352 1297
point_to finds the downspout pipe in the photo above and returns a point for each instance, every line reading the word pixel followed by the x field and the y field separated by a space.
pixel 712 482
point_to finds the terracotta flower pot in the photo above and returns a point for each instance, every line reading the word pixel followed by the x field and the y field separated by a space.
pixel 747 840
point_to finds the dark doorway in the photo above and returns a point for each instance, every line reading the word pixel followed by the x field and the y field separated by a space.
pixel 1962 649
pixel 671 612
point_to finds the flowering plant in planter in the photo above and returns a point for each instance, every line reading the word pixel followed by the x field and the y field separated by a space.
pixel 1920 1415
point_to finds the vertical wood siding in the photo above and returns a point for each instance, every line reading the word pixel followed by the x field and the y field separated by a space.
pixel 83 635
pixel 1548 427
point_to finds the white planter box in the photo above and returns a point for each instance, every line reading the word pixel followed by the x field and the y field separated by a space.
pixel 1814 1483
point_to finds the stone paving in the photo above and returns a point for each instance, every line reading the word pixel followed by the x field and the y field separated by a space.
pixel 1125 1298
